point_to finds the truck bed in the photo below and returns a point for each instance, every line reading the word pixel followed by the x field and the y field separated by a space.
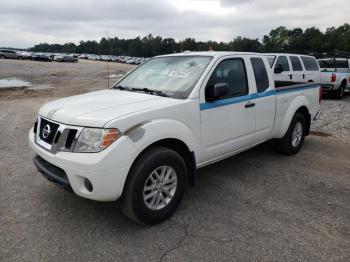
pixel 281 84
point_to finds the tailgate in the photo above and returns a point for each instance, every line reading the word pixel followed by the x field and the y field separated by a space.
pixel 326 77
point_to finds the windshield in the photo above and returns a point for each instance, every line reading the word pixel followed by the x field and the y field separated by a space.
pixel 271 59
pixel 173 76
pixel 333 63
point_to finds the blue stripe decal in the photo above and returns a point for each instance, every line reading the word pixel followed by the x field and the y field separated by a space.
pixel 235 100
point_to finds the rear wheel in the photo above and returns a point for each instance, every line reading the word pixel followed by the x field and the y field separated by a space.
pixel 293 140
pixel 155 186
pixel 340 92
pixel 2 57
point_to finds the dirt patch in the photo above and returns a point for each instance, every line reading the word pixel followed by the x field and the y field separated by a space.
pixel 59 79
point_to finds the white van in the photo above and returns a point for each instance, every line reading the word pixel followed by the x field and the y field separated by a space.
pixel 292 68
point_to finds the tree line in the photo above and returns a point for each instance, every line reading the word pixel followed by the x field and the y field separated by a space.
pixel 309 41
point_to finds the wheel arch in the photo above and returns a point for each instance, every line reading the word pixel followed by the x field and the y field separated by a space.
pixel 183 150
pixel 305 111
pixel 178 146
pixel 299 105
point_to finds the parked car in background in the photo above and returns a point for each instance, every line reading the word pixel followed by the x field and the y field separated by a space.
pixel 130 61
pixel 65 58
pixel 10 54
pixel 294 68
pixel 25 55
pixel 142 141
pixel 95 57
pixel 41 57
pixel 335 75
pixel 83 56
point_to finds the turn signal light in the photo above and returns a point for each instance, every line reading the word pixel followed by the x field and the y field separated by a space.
pixel 109 137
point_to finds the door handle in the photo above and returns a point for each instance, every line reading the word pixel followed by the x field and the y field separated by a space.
pixel 249 104
pixel 303 76
pixel 290 77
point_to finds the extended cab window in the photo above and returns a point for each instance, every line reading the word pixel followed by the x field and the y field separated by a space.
pixel 296 65
pixel 310 63
pixel 260 73
pixel 231 72
pixel 282 60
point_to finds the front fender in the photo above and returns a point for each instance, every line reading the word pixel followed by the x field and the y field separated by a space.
pixel 145 134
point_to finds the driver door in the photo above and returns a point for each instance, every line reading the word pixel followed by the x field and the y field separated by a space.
pixel 285 75
pixel 227 123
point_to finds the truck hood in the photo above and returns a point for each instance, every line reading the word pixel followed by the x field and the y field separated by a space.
pixel 95 109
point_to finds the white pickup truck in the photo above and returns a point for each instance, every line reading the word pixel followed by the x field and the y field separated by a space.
pixel 335 75
pixel 143 140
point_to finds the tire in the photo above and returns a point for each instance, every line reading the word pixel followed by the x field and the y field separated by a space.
pixel 136 201
pixel 2 57
pixel 340 92
pixel 20 58
pixel 293 140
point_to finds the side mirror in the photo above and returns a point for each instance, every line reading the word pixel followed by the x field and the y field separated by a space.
pixel 217 91
pixel 278 69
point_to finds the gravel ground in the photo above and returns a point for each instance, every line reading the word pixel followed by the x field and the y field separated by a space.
pixel 335 117
pixel 256 206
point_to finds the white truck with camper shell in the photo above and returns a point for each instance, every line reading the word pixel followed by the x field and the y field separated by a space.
pixel 335 76
pixel 293 68
pixel 143 140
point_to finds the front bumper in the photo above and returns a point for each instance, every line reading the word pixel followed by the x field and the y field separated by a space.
pixel 52 173
pixel 106 170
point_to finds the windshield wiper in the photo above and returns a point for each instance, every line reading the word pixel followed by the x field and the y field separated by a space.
pixel 150 91
pixel 146 90
pixel 122 88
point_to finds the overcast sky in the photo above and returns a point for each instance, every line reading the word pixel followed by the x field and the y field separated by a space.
pixel 25 23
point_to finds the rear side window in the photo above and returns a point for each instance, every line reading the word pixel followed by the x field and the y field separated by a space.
pixel 261 78
pixel 310 63
pixel 271 59
pixel 334 63
pixel 282 60
pixel 341 63
pixel 296 64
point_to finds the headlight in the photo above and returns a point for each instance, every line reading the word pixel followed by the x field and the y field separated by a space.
pixel 96 139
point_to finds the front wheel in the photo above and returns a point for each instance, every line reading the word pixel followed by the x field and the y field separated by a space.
pixel 155 186
pixel 293 140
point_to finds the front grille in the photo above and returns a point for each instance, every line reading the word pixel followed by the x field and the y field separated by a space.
pixel 55 137
pixel 47 130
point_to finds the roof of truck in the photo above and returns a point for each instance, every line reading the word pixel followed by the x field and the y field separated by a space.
pixel 337 58
pixel 290 54
pixel 211 53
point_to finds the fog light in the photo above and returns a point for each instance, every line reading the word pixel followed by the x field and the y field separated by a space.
pixel 88 184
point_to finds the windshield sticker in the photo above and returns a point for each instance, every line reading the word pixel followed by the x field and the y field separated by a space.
pixel 179 74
